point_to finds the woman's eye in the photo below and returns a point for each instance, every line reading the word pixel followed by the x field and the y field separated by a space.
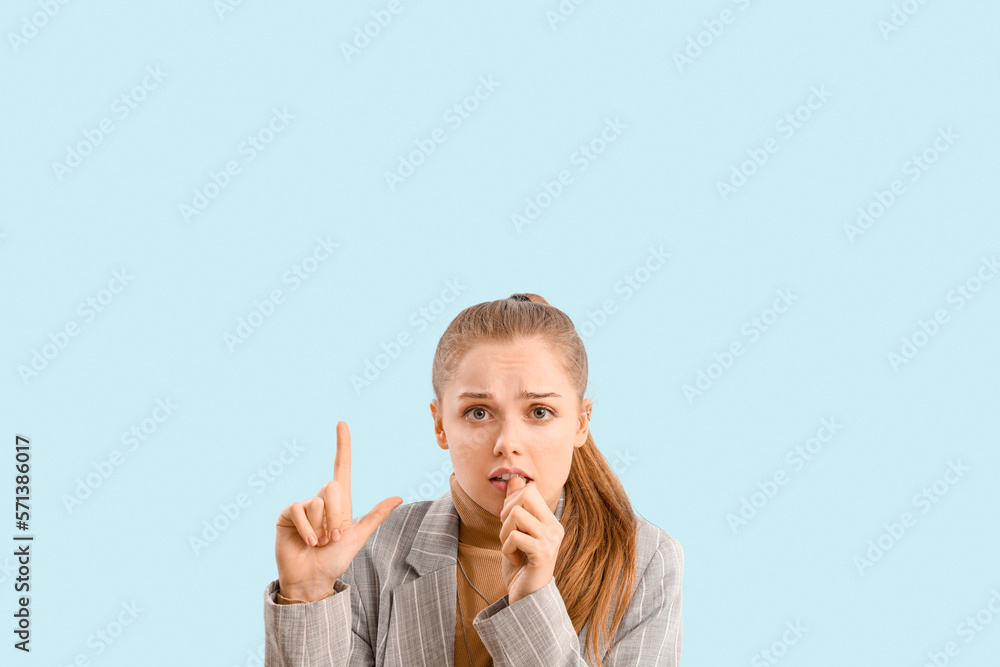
pixel 544 410
pixel 476 411
pixel 481 414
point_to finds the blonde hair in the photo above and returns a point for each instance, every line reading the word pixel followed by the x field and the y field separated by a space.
pixel 598 552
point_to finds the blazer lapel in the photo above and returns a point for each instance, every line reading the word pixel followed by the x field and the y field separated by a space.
pixel 421 627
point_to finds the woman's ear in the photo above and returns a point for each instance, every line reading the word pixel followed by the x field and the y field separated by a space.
pixel 584 428
pixel 439 435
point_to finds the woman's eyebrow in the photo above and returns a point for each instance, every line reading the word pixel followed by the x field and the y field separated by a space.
pixel 524 394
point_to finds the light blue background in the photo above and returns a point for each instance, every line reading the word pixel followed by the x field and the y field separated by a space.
pixel 685 464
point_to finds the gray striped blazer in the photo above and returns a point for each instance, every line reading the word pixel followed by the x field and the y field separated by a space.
pixel 395 606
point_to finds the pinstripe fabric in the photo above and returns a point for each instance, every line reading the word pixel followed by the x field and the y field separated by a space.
pixel 396 604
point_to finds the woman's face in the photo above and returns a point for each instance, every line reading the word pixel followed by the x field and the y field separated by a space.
pixel 510 406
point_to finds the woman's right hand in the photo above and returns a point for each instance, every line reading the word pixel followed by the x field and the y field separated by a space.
pixel 316 539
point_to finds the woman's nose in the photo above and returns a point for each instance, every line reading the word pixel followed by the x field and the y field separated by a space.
pixel 508 439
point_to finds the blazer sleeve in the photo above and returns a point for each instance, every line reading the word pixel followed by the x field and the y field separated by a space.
pixel 649 634
pixel 332 632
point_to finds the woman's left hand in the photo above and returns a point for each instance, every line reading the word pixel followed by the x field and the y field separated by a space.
pixel 530 539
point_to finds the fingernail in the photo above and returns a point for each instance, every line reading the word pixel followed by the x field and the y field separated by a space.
pixel 336 534
pixel 312 540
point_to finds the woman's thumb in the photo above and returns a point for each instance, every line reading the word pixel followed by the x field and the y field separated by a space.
pixel 379 513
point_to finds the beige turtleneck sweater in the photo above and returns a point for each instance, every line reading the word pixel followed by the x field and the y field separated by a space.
pixel 479 554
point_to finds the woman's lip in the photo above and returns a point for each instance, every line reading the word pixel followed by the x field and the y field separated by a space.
pixel 501 485
pixel 508 471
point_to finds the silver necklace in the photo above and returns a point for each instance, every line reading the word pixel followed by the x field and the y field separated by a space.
pixel 464 636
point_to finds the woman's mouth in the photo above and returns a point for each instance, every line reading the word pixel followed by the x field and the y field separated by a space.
pixel 500 483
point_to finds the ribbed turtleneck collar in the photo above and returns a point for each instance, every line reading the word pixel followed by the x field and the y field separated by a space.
pixel 477 527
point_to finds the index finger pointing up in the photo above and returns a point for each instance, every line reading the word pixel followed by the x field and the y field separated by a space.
pixel 342 461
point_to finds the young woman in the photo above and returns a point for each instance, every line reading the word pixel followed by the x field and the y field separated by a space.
pixel 534 557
